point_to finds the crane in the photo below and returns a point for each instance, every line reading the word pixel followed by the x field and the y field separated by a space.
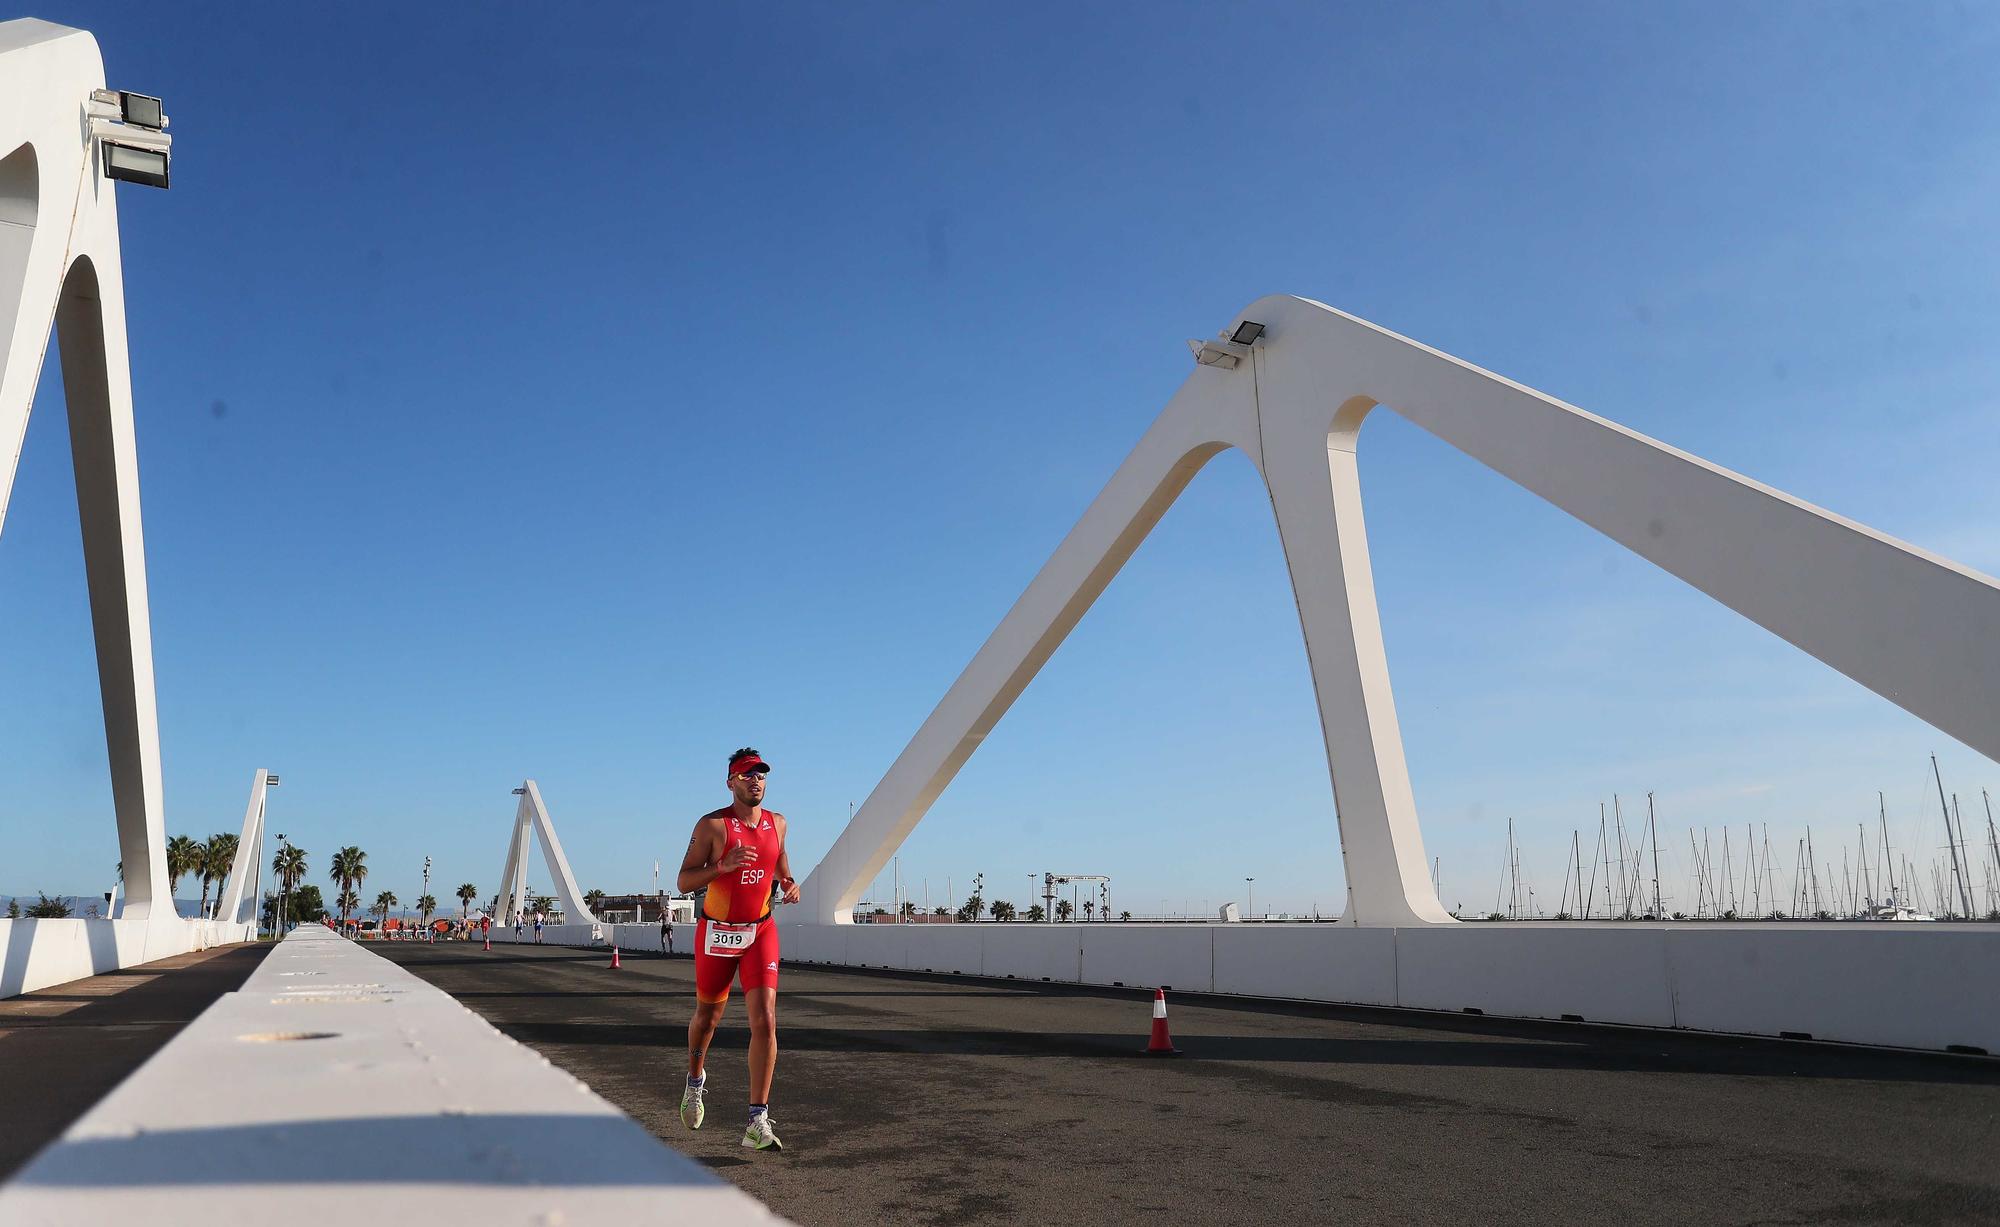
pixel 1052 880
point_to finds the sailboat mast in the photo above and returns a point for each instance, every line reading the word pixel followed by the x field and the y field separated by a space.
pixel 1770 874
pixel 1694 858
pixel 1652 824
pixel 1861 855
pixel 1887 856
pixel 1624 884
pixel 1950 841
pixel 1729 872
pixel 1590 897
pixel 1753 884
pixel 1812 873
pixel 1992 840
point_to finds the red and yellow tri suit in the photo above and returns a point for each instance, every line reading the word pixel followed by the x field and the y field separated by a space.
pixel 736 932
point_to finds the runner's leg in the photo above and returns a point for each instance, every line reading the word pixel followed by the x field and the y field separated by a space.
pixel 762 1004
pixel 701 1030
pixel 760 999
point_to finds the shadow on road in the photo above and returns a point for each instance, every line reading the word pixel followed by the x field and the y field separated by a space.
pixel 1593 1053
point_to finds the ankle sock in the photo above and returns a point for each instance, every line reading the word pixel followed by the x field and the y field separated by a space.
pixel 697 1081
pixel 757 1110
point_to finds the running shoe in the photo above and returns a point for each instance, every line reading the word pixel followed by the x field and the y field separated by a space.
pixel 692 1110
pixel 759 1135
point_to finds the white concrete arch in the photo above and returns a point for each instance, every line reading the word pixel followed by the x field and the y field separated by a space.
pixel 59 267
pixel 1918 629
pixel 532 817
pixel 60 278
pixel 240 900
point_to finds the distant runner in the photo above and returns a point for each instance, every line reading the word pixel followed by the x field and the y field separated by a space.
pixel 737 856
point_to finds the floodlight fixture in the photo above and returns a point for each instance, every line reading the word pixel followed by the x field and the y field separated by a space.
pixel 271 781
pixel 1247 332
pixel 142 110
pixel 1221 354
pixel 131 164
pixel 132 131
pixel 520 792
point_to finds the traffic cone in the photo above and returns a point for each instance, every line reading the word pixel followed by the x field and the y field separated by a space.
pixel 614 958
pixel 1162 1044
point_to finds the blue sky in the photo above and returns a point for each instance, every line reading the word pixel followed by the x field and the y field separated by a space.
pixel 581 397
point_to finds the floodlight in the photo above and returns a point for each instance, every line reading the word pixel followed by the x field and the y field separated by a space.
pixel 131 164
pixel 142 110
pixel 520 792
pixel 1247 332
pixel 1223 354
pixel 271 781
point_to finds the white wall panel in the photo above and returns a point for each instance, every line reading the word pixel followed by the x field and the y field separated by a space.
pixel 1147 956
pixel 1320 962
pixel 1029 952
pixel 1912 985
pixel 1537 971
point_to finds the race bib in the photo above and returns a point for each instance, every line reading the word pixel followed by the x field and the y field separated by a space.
pixel 728 941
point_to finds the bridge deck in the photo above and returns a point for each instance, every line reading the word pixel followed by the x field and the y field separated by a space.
pixel 927 1099
pixel 62 1048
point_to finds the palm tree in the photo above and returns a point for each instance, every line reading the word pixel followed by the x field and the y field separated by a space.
pixel 181 856
pixel 290 865
pixel 218 858
pixel 349 869
pixel 593 899
pixel 1063 909
pixel 1088 908
pixel 426 904
pixel 383 902
pixel 466 894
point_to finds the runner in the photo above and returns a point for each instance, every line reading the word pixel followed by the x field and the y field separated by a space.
pixel 737 858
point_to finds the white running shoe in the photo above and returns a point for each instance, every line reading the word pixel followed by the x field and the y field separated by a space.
pixel 759 1135
pixel 692 1110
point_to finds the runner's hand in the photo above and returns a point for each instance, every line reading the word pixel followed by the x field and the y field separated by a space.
pixel 791 889
pixel 738 857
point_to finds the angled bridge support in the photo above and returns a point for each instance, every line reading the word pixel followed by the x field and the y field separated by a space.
pixel 1917 629
pixel 531 817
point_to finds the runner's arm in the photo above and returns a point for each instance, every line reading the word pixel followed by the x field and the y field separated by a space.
pixel 785 882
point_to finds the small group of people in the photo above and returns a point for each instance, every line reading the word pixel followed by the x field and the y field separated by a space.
pixel 523 919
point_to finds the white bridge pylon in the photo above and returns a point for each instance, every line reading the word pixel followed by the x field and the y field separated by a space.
pixel 246 871
pixel 59 267
pixel 1917 629
pixel 531 816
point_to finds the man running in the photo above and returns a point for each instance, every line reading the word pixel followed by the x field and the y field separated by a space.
pixel 737 857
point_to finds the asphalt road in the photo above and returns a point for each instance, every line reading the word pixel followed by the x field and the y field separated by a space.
pixel 919 1099
pixel 63 1048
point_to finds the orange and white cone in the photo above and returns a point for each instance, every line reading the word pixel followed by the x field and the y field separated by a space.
pixel 1162 1044
pixel 614 958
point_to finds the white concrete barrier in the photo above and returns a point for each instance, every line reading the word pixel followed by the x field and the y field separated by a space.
pixel 335 1087
pixel 1934 986
pixel 38 954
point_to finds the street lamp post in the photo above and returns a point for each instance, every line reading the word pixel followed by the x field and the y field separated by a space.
pixel 426 895
pixel 1250 902
pixel 284 885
